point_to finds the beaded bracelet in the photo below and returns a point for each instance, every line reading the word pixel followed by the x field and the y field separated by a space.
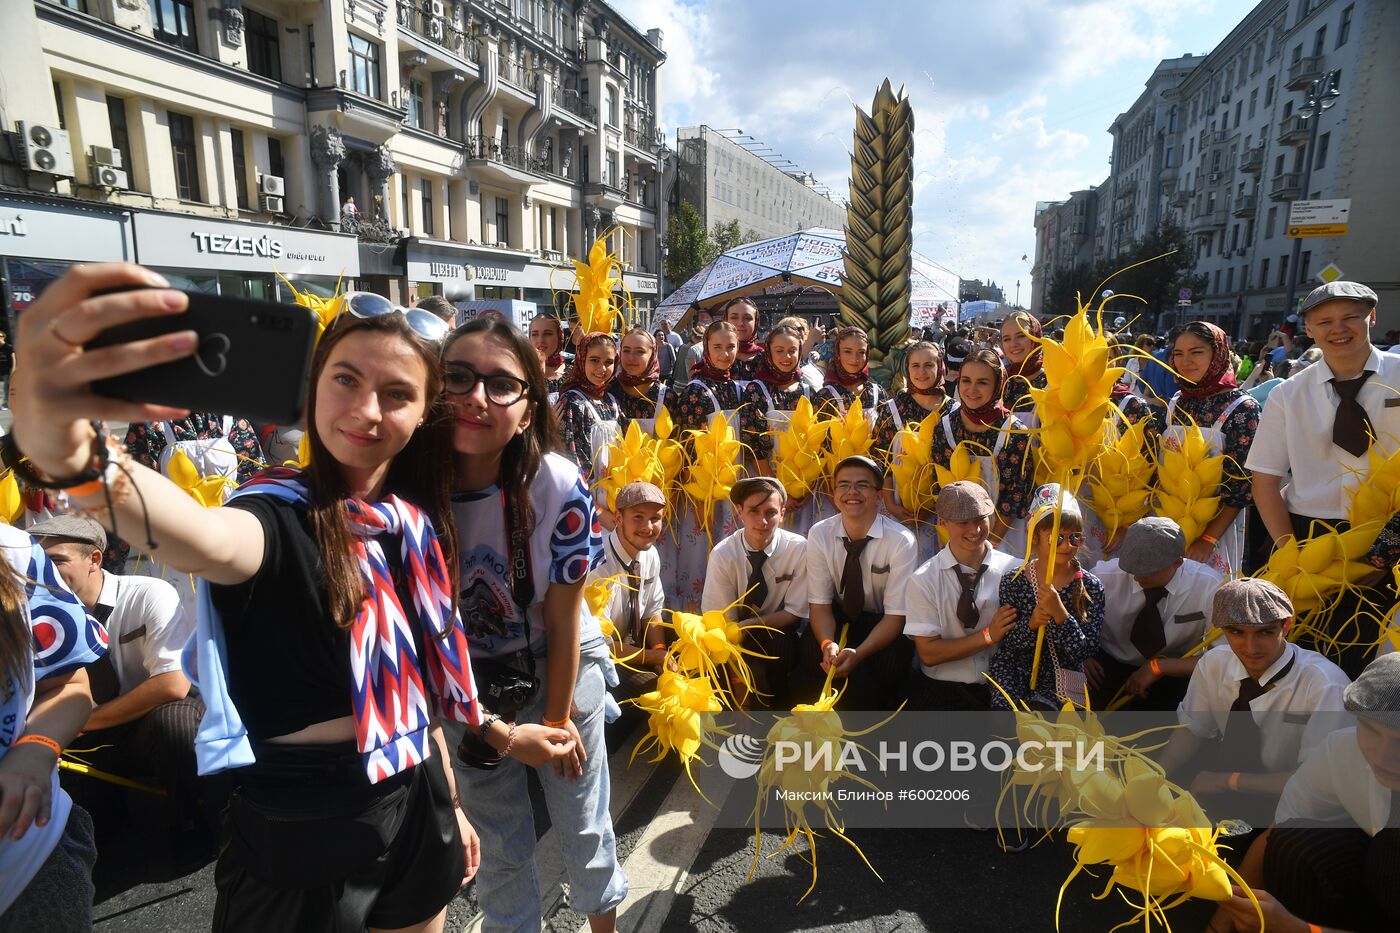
pixel 510 743
pixel 25 470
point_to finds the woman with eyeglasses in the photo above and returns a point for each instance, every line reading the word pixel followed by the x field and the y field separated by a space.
pixel 742 313
pixel 848 375
pixel 588 414
pixel 529 534
pixel 324 594
pixel 547 338
pixel 1069 605
pixel 1209 398
pixel 998 442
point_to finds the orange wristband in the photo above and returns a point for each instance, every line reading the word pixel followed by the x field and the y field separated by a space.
pixel 1314 928
pixel 557 723
pixel 659 646
pixel 987 636
pixel 1234 782
pixel 44 740
pixel 1209 540
pixel 825 642
pixel 1155 667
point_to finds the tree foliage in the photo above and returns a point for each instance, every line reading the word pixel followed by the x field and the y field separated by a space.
pixel 688 246
pixel 726 236
pixel 1157 282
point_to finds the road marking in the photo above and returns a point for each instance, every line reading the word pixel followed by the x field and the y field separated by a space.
pixel 627 782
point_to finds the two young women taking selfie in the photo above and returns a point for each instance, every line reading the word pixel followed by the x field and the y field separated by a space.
pixel 330 649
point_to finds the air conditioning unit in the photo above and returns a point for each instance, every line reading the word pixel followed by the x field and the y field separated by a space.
pixel 1225 98
pixel 105 155
pixel 109 177
pixel 46 149
pixel 435 29
pixel 1240 251
pixel 272 184
pixel 1214 177
pixel 437 9
pixel 270 204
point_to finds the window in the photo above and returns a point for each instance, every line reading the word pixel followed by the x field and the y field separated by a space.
pixel 1216 289
pixel 1263 273
pixel 276 165
pixel 364 66
pixel 1344 28
pixel 612 106
pixel 1224 121
pixel 1230 279
pixel 1271 223
pixel 174 23
pixel 1322 143
pixel 240 167
pixel 503 220
pixel 58 103
pixel 116 120
pixel 184 151
pixel 1283 269
pixel 1304 261
pixel 1278 165
pixel 426 186
pixel 79 5
pixel 1171 157
pixel 1239 109
pixel 1244 278
pixel 1253 102
pixel 264 52
pixel 1269 91
pixel 1320 41
pixel 610 177
pixel 416 114
pixel 1171 121
pixel 312 80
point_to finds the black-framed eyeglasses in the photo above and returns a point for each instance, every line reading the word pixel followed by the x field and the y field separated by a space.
pixel 501 389
pixel 1075 538
pixel 425 324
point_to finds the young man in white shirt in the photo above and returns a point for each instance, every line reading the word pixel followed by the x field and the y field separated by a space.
pixel 1316 432
pixel 144 711
pixel 1157 606
pixel 631 559
pixel 1268 702
pixel 1333 857
pixel 858 564
pixel 954 616
pixel 759 575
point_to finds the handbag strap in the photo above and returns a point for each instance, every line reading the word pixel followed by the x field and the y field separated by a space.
pixel 522 579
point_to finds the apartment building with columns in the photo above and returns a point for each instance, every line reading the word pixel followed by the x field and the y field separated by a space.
pixel 467 148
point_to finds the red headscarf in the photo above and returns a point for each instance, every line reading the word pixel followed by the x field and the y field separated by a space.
pixel 649 376
pixel 835 372
pixel 557 357
pixel 577 379
pixel 1220 375
pixel 1030 366
pixel 704 369
pixel 994 412
pixel 749 347
pixel 768 371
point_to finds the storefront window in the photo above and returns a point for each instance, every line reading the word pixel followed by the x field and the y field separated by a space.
pixel 189 280
pixel 25 280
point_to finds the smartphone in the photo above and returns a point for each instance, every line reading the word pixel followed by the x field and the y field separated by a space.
pixel 253 361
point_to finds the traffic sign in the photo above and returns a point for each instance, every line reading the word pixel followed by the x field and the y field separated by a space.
pixel 1312 230
pixel 1184 294
pixel 1330 273
pixel 1313 213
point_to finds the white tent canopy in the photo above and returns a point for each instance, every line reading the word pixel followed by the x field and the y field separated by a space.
pixel 798 261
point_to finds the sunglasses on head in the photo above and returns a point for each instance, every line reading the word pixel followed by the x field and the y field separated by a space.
pixel 365 305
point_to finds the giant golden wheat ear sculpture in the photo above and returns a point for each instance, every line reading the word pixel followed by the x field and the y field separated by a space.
pixel 879 225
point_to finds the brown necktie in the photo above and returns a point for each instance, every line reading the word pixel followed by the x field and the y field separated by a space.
pixel 102 673
pixel 757 587
pixel 1352 430
pixel 634 607
pixel 1243 742
pixel 1148 636
pixel 967 599
pixel 853 580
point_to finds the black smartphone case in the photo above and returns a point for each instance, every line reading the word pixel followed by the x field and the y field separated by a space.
pixel 254 359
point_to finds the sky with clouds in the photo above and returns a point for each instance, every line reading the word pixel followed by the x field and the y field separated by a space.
pixel 1012 98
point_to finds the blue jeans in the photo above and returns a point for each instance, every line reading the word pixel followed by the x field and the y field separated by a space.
pixel 498 804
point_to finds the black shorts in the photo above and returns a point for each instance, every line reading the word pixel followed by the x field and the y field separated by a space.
pixel 411 880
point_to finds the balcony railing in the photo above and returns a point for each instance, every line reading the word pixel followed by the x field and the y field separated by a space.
pixel 417 18
pixel 490 149
pixel 1252 160
pixel 1246 205
pixel 1304 71
pixel 1208 219
pixel 646 138
pixel 1293 132
pixel 571 100
pixel 1286 187
pixel 516 73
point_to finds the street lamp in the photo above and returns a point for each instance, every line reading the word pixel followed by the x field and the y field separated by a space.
pixel 1018 293
pixel 1322 95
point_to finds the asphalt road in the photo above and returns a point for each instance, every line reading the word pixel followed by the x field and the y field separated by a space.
pixel 686 876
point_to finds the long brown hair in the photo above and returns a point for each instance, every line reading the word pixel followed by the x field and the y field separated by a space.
pixel 521 459
pixel 415 474
pixel 16 645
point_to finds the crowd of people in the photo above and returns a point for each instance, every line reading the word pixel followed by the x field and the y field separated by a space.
pixel 375 645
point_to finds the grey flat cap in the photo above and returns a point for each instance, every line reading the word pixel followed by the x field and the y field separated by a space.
pixel 70 528
pixel 865 463
pixel 1250 601
pixel 1151 545
pixel 964 501
pixel 1375 694
pixel 634 494
pixel 1351 291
